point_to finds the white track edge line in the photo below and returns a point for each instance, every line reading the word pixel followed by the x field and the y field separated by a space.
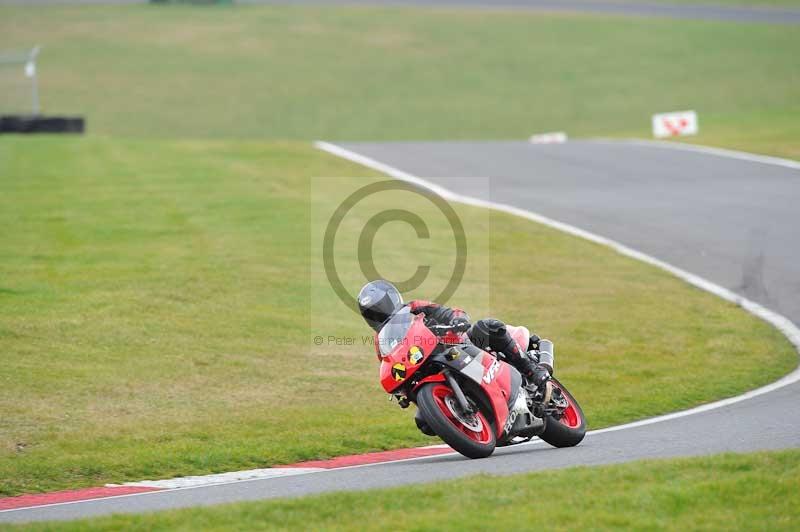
pixel 708 150
pixel 219 478
pixel 96 499
pixel 156 491
pixel 308 471
pixel 783 324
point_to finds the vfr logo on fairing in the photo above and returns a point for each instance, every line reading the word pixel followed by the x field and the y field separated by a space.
pixel 491 372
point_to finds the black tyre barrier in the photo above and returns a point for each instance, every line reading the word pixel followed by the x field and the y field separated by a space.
pixel 41 124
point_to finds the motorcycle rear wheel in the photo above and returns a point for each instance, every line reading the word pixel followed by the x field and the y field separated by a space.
pixel 473 436
pixel 569 429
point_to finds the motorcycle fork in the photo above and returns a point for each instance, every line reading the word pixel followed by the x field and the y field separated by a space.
pixel 461 399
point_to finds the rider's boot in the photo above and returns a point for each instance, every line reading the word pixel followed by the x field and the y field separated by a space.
pixel 533 342
pixel 492 333
pixel 535 374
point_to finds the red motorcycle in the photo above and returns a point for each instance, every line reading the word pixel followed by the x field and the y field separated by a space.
pixel 469 397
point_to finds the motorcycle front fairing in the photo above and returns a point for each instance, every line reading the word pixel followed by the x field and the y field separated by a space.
pixel 404 347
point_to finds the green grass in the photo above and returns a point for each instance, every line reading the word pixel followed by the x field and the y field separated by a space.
pixel 758 491
pixel 155 320
pixel 380 74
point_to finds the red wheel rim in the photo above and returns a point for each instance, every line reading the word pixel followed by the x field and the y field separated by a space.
pixel 571 418
pixel 441 394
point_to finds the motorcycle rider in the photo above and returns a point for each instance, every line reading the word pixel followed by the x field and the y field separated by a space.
pixel 379 299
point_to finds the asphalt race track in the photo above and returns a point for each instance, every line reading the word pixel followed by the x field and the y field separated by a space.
pixel 734 222
pixel 769 15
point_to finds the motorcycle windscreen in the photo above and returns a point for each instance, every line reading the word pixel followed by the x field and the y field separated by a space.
pixel 393 332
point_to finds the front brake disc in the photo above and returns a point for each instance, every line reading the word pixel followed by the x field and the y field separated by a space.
pixel 473 422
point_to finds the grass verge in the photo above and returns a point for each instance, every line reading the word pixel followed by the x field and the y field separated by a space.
pixel 390 74
pixel 155 299
pixel 722 492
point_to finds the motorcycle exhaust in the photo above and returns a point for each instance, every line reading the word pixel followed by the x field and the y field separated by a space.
pixel 547 354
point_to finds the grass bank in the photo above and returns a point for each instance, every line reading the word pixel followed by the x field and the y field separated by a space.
pixel 156 298
pixel 388 74
pixel 723 492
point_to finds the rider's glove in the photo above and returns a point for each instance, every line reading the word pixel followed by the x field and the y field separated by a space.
pixel 460 324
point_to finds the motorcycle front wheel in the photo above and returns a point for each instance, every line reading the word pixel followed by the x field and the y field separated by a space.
pixel 568 429
pixel 471 435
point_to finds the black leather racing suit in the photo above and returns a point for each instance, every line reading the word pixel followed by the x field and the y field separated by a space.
pixel 488 333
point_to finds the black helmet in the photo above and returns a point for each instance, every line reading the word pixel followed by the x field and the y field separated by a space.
pixel 377 301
